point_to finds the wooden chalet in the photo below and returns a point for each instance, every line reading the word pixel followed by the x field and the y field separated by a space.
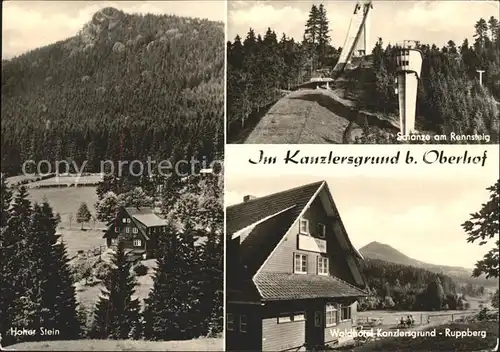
pixel 293 277
pixel 138 229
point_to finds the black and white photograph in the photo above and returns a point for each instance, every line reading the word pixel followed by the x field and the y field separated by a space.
pixel 393 261
pixel 363 72
pixel 112 147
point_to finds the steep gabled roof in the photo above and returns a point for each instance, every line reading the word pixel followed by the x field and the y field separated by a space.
pixel 258 238
pixel 143 218
pixel 244 214
pixel 262 223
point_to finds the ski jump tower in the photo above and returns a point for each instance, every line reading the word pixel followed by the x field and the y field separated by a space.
pixel 357 42
pixel 408 66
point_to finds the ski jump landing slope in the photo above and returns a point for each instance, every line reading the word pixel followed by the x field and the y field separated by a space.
pixel 314 116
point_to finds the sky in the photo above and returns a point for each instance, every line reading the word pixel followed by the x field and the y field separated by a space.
pixel 418 214
pixel 27 25
pixel 394 21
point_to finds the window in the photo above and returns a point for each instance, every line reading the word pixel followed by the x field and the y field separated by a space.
pixel 300 263
pixel 230 322
pixel 135 230
pixel 285 318
pixel 322 266
pixel 127 229
pixel 321 230
pixel 128 220
pixel 299 316
pixel 114 241
pixel 331 315
pixel 345 313
pixel 137 243
pixel 124 220
pixel 304 226
pixel 243 323
pixel 291 317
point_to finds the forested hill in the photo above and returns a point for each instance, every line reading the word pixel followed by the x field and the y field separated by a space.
pixel 125 87
pixel 379 251
pixel 402 287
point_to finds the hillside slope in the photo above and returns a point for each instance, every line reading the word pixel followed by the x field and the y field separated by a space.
pixel 380 251
pixel 119 89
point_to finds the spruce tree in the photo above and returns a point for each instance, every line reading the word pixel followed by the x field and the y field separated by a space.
pixel 117 313
pixel 311 33
pixel 83 215
pixel 51 277
pixel 165 302
pixel 212 274
pixel 173 306
pixel 5 275
pixel 15 304
pixel 323 35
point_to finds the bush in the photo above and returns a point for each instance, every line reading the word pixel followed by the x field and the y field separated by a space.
pixel 101 269
pixel 140 269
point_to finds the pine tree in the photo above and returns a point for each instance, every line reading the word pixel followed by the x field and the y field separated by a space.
pixel 106 207
pixel 164 304
pixel 311 33
pixel 5 252
pixel 15 304
pixel 212 274
pixel 6 198
pixel 51 282
pixel 191 290
pixel 117 313
pixel 83 215
pixel 173 307
pixel 323 34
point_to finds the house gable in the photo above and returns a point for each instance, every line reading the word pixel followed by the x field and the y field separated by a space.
pixel 320 209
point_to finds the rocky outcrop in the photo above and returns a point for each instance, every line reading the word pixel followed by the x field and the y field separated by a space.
pixel 118 47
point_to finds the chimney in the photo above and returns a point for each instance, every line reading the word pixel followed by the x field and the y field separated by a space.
pixel 248 197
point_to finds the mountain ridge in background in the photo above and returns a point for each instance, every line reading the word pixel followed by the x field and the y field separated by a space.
pixel 381 251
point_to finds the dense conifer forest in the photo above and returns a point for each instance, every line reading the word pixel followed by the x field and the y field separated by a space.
pixel 450 98
pixel 126 87
pixel 186 299
pixel 401 287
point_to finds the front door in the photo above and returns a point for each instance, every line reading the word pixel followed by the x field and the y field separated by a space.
pixel 315 324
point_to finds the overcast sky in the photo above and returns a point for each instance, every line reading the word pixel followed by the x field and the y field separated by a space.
pixel 394 21
pixel 31 24
pixel 419 216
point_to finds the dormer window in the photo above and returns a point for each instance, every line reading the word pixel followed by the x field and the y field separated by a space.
pixel 304 226
pixel 321 230
pixel 124 220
